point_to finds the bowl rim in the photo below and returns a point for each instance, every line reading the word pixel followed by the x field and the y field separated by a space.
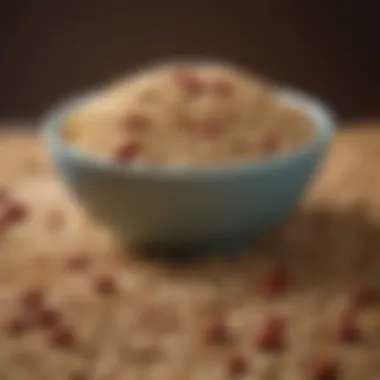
pixel 321 115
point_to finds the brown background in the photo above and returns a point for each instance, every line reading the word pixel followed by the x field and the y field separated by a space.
pixel 52 48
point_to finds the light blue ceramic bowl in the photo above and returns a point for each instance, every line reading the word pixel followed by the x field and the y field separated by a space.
pixel 202 205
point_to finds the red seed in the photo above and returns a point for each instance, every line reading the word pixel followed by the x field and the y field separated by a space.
pixel 32 299
pixel 221 87
pixel 48 318
pixel 276 281
pixel 16 212
pixel 271 335
pixel 237 365
pixel 364 297
pixel 105 285
pixel 216 332
pixel 17 326
pixel 10 213
pixel 188 81
pixel 62 336
pixel 78 262
pixel 325 370
pixel 347 329
pixel 269 144
pixel 128 152
pixel 135 122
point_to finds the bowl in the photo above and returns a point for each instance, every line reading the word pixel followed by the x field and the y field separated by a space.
pixel 207 206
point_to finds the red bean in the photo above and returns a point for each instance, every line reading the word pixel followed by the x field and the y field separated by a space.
pixel 276 281
pixel 48 318
pixel 269 144
pixel 105 285
pixel 271 335
pixel 325 370
pixel 16 212
pixel 62 336
pixel 188 81
pixel 11 213
pixel 364 297
pixel 32 299
pixel 128 152
pixel 347 329
pixel 216 332
pixel 237 365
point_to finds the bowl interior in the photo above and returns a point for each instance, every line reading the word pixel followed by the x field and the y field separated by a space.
pixel 317 111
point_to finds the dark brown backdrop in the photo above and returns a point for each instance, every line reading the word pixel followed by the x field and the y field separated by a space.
pixel 51 48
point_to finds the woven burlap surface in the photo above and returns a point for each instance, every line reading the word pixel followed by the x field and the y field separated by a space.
pixel 151 327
